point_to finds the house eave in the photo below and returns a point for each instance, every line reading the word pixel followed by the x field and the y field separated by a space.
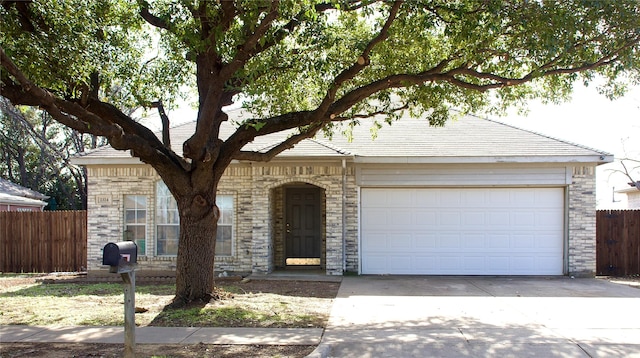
pixel 592 159
pixel 16 200
pixel 297 159
pixel 135 161
pixel 628 190
pixel 106 161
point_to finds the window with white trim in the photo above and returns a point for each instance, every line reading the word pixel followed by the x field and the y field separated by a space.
pixel 135 221
pixel 224 236
pixel 168 223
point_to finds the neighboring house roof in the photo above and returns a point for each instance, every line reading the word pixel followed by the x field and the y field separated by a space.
pixel 20 201
pixel 12 189
pixel 630 190
pixel 468 139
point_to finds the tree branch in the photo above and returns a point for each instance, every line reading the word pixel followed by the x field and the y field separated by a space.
pixel 246 49
pixel 281 147
pixel 123 133
pixel 150 18
pixel 362 61
pixel 166 139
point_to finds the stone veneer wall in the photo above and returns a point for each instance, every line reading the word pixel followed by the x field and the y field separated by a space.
pixel 352 222
pixel 107 187
pixel 582 222
pixel 258 192
pixel 258 200
pixel 105 216
pixel 266 194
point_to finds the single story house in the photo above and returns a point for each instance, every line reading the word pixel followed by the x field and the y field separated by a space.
pixel 475 197
pixel 14 197
pixel 633 196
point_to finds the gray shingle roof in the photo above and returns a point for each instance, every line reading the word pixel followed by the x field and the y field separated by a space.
pixel 12 189
pixel 408 139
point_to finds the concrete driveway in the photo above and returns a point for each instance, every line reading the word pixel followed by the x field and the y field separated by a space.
pixel 401 316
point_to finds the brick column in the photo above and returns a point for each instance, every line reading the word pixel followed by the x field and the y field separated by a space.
pixel 582 222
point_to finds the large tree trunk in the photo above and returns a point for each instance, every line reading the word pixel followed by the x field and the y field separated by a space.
pixel 196 253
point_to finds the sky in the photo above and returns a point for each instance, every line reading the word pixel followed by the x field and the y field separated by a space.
pixel 589 119
pixel 592 120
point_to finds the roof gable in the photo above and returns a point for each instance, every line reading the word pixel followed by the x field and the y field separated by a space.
pixel 468 138
pixel 12 189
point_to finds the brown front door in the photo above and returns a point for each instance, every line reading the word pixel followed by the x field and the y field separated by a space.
pixel 303 241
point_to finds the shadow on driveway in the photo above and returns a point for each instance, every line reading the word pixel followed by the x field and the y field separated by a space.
pixel 418 316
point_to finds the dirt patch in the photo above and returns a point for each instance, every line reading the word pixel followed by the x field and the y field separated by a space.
pixel 65 350
pixel 304 298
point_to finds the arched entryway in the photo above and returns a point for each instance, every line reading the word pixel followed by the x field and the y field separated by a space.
pixel 299 232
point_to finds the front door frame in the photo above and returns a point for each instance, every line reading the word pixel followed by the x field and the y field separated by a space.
pixel 310 256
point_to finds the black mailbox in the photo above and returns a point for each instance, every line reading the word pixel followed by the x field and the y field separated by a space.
pixel 116 253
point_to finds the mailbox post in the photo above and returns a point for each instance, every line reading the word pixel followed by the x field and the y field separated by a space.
pixel 122 258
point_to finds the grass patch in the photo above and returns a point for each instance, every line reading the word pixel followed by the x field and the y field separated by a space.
pixel 294 305
pixel 63 304
pixel 233 317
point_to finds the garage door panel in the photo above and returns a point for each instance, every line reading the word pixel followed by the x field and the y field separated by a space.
pixel 524 219
pixel 450 218
pixel 427 198
pixel 375 264
pixel 475 240
pixel 449 199
pixel 423 217
pixel 548 240
pixel 401 263
pixel 399 218
pixel 377 242
pixel 549 218
pixel 375 219
pixel 496 231
pixel 498 241
pixel 449 241
pixel 474 219
pixel 424 240
pixel 498 218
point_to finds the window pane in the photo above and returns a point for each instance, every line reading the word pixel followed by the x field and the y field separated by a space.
pixel 224 201
pixel 135 217
pixel 167 208
pixel 168 219
pixel 135 202
pixel 225 204
pixel 129 202
pixel 223 240
pixel 142 247
pixel 135 232
pixel 141 202
pixel 138 234
pixel 141 216
pixel 168 239
pixel 130 216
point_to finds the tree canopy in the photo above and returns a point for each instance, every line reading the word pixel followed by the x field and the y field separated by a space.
pixel 316 61
pixel 35 153
pixel 297 64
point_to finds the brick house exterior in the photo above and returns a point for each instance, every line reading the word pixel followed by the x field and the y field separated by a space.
pixel 467 157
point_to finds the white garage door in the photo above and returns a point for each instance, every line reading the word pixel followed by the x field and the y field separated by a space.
pixel 483 231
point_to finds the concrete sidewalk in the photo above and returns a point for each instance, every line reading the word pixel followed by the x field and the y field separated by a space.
pixel 383 316
pixel 163 335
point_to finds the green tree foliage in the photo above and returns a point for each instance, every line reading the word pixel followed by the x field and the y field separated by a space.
pixel 35 153
pixel 297 64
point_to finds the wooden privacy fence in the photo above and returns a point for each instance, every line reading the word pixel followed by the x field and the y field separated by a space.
pixel 618 242
pixel 47 241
